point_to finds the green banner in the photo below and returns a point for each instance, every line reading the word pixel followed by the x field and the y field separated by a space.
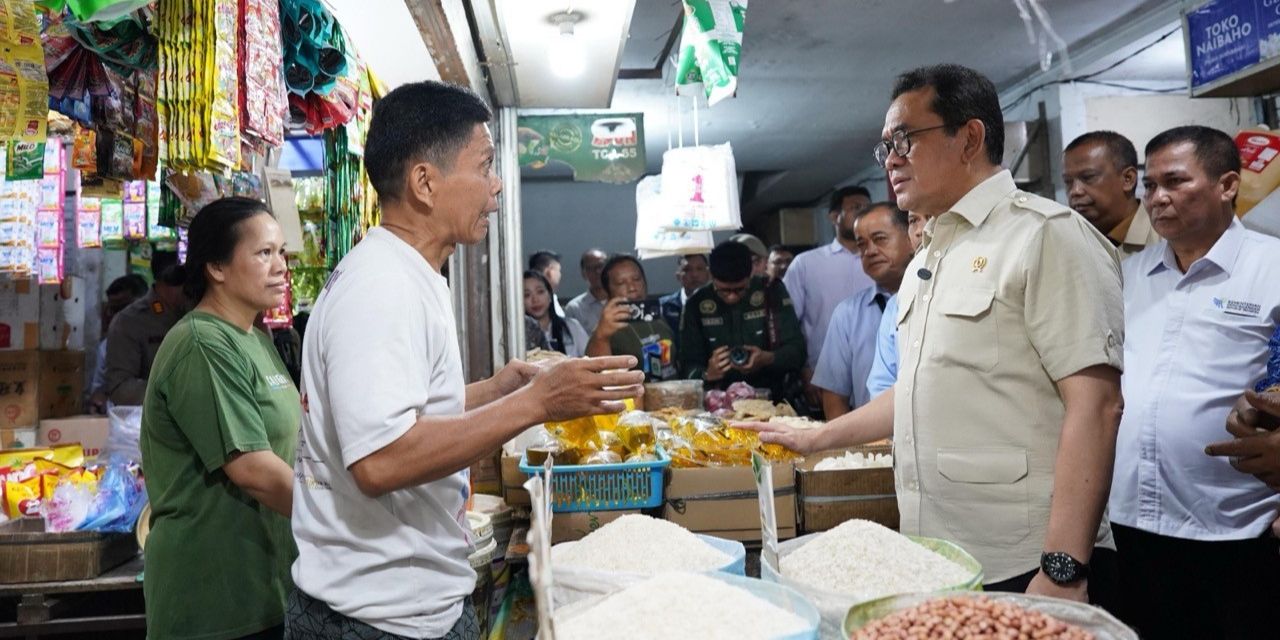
pixel 598 147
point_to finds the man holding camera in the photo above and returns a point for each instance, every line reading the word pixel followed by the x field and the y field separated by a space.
pixel 741 328
pixel 631 323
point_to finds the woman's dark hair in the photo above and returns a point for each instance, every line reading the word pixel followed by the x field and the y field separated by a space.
pixel 612 263
pixel 212 239
pixel 558 326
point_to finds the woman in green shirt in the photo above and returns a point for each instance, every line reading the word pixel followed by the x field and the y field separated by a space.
pixel 219 430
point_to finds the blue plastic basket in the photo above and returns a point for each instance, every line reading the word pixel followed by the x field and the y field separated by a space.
pixel 604 487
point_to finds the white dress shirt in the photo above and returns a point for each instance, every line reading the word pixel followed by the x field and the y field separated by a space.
pixel 1193 343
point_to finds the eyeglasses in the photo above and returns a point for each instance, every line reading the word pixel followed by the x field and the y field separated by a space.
pixel 899 144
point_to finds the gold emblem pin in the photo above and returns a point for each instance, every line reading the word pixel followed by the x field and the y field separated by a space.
pixel 979 263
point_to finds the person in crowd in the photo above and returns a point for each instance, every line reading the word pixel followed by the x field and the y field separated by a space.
pixel 562 334
pixel 759 253
pixel 219 430
pixel 884 366
pixel 120 293
pixel 884 245
pixel 1100 169
pixel 137 331
pixel 548 264
pixel 1005 412
pixel 693 273
pixel 741 328
pixel 780 258
pixel 632 322
pixel 820 279
pixel 389 425
pixel 1200 307
pixel 587 306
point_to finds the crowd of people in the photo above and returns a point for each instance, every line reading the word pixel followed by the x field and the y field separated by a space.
pixel 1069 387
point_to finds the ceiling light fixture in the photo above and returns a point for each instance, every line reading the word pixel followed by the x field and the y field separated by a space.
pixel 567 57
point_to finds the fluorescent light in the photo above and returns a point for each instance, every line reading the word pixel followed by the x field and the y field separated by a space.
pixel 566 55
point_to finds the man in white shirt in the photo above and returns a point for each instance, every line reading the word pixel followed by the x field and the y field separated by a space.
pixel 820 279
pixel 1195 560
pixel 587 306
pixel 389 426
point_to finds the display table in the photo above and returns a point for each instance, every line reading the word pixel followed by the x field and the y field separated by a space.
pixel 111 602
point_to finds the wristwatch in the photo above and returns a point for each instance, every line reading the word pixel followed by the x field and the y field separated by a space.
pixel 1062 569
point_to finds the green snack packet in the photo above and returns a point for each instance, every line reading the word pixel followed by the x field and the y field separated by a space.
pixel 25 161
pixel 711 47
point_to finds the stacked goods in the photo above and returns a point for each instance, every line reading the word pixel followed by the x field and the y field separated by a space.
pixel 705 440
pixel 962 617
pixel 604 439
pixel 640 544
pixel 865 559
pixel 682 605
pixel 860 561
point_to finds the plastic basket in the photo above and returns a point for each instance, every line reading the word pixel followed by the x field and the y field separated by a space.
pixel 604 487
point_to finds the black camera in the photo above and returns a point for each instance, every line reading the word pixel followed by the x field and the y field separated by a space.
pixel 644 310
pixel 739 356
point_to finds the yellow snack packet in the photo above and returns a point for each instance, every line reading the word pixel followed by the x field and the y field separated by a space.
pixel 22 498
pixel 18 457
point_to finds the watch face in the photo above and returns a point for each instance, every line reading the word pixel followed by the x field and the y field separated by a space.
pixel 1061 567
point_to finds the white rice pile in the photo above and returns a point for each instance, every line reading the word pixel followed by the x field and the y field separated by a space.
pixel 851 460
pixel 680 605
pixel 864 559
pixel 640 544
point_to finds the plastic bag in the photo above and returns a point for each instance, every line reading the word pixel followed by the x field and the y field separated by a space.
pixel 119 501
pixel 711 46
pixel 652 240
pixel 700 189
pixel 125 424
pixel 578 583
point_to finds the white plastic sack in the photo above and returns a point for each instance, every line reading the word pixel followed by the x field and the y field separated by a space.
pixel 700 189
pixel 652 240
pixel 125 424
pixel 573 584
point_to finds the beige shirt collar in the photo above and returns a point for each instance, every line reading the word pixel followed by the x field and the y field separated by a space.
pixel 978 204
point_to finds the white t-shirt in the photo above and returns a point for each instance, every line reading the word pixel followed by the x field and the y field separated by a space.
pixel 381 350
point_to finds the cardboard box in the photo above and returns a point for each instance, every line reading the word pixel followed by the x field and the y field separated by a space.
pixel 513 480
pixel 21 438
pixel 39 384
pixel 576 525
pixel 62 315
pixel 723 501
pixel 829 498
pixel 19 315
pixel 485 477
pixel 90 431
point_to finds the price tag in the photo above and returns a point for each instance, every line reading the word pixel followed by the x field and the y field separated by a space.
pixel 763 472
pixel 540 550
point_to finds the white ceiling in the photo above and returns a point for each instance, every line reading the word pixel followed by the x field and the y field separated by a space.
pixel 388 40
pixel 816 77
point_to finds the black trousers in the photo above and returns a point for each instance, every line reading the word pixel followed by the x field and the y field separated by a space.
pixel 1104 581
pixel 1175 588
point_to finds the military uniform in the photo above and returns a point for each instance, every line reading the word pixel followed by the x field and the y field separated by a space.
pixel 132 342
pixel 763 318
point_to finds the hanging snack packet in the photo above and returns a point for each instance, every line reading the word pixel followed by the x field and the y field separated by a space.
pixel 711 47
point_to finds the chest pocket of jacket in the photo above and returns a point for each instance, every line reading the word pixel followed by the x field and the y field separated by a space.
pixel 964 331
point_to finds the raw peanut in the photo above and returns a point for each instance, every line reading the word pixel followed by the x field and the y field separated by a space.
pixel 961 617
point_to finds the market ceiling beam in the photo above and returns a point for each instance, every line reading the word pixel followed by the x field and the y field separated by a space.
pixel 445 30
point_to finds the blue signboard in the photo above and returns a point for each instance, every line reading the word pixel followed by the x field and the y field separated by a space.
pixel 1224 38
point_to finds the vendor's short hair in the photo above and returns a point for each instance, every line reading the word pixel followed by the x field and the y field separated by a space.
pixel 898 216
pixel 420 121
pixel 1215 150
pixel 731 262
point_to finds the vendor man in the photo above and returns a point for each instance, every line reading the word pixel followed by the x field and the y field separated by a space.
pixel 1010 320
pixel 389 426
pixel 741 328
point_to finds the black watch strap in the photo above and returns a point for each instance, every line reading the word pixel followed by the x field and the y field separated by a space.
pixel 1063 569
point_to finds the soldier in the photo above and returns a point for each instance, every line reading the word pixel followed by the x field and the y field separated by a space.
pixel 137 331
pixel 741 327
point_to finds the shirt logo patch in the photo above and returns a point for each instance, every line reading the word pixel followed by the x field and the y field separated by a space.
pixel 712 322
pixel 707 306
pixel 1238 307
pixel 979 263
pixel 277 381
pixel 753 315
pixel 757 299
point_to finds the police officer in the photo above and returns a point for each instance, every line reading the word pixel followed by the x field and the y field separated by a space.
pixel 137 331
pixel 741 328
